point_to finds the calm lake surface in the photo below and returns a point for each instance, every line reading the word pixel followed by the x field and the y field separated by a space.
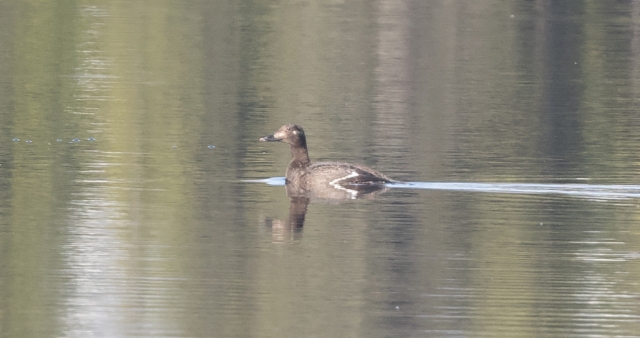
pixel 132 192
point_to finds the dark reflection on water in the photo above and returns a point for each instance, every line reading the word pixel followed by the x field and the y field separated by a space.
pixel 299 200
pixel 128 213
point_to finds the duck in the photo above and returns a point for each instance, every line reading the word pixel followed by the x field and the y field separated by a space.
pixel 304 175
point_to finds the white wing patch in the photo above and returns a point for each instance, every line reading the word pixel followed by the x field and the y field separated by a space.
pixel 336 184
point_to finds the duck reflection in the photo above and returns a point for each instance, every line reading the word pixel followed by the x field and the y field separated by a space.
pixel 299 200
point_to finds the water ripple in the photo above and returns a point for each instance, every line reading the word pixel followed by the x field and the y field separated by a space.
pixel 593 191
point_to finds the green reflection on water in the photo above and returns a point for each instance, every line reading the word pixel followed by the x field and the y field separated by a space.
pixel 147 231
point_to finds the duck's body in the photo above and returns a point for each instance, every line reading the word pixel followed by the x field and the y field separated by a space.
pixel 306 175
pixel 333 174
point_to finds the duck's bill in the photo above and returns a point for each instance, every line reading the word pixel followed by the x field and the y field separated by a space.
pixel 270 138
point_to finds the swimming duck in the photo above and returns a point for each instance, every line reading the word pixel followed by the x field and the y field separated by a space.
pixel 307 175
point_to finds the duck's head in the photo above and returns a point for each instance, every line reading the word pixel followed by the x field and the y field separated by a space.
pixel 289 133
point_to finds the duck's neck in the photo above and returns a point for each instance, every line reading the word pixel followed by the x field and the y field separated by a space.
pixel 300 155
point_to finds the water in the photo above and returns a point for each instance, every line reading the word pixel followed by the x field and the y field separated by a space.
pixel 136 200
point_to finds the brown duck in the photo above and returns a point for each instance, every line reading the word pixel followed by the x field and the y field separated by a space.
pixel 307 175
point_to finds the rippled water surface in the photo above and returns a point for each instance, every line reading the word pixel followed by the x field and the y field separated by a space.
pixel 136 200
